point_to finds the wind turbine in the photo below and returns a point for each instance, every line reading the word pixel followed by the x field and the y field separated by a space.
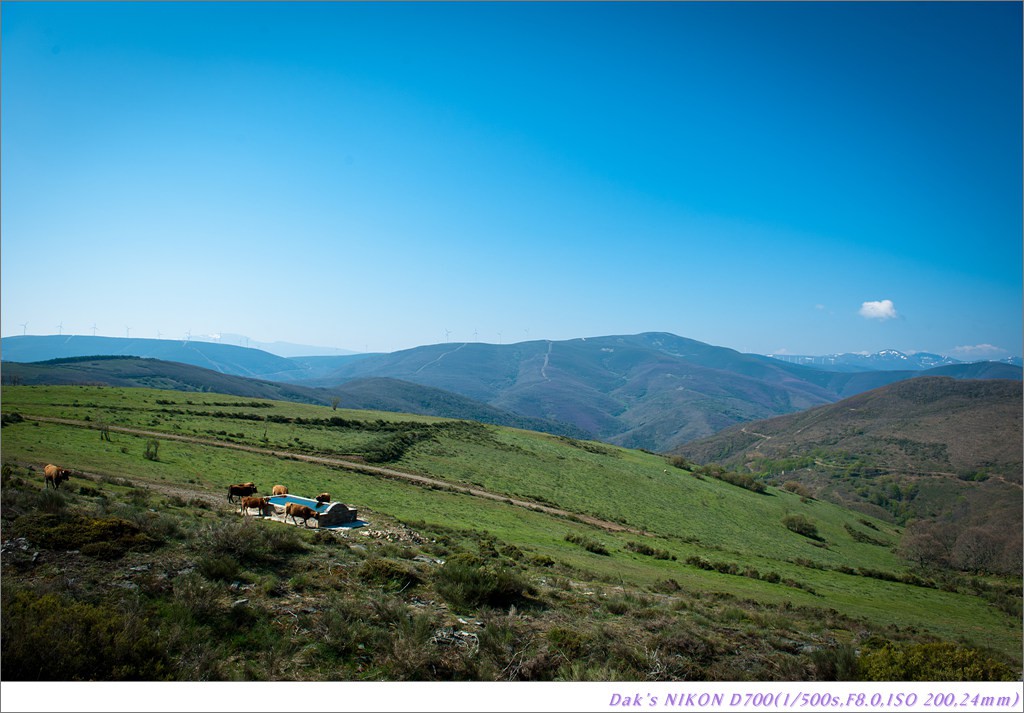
pixel 499 337
pixel 60 329
pixel 475 334
pixel 94 329
pixel 446 333
pixel 128 332
pixel 24 326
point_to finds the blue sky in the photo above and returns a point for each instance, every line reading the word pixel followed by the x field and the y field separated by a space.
pixel 801 178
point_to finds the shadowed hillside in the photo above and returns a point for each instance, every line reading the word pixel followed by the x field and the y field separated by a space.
pixel 654 391
pixel 376 393
pixel 933 449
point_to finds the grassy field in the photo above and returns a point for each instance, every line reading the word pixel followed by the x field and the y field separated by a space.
pixel 690 539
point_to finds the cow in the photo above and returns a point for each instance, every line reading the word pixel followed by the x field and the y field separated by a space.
pixel 53 475
pixel 295 510
pixel 261 504
pixel 280 490
pixel 241 490
pixel 323 498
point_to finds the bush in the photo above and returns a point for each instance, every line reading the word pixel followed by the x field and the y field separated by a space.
pixel 644 549
pixel 106 537
pixel 931 662
pixel 388 574
pixel 223 567
pixel 588 544
pixel 50 637
pixel 838 663
pixel 465 581
pixel 801 526
pixel 797 488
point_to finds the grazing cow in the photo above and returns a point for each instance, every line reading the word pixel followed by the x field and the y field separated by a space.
pixel 300 511
pixel 323 498
pixel 241 490
pixel 280 490
pixel 52 475
pixel 261 504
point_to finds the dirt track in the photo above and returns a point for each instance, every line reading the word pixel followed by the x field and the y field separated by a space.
pixel 347 465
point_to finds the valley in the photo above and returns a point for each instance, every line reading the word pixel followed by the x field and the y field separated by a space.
pixel 558 515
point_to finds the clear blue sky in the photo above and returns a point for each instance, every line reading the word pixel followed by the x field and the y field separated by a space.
pixel 772 177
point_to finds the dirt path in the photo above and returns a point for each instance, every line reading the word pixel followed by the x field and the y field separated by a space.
pixel 347 465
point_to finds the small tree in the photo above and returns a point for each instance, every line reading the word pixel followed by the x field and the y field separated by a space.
pixel 152 450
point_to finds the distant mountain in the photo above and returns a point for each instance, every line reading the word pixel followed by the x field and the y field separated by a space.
pixel 654 391
pixel 282 349
pixel 885 360
pixel 370 394
pixel 223 358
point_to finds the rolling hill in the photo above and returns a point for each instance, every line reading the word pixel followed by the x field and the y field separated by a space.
pixel 381 394
pixel 654 390
pixel 933 449
pixel 223 358
pixel 550 558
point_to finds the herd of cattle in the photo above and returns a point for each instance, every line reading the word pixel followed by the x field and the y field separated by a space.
pixel 296 511
pixel 54 476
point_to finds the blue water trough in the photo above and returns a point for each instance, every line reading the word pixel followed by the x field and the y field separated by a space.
pixel 331 514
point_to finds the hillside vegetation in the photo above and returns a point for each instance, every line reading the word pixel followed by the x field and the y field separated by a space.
pixel 654 390
pixel 490 553
pixel 381 394
pixel 944 455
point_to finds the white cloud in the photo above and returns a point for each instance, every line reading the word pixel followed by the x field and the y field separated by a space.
pixel 978 351
pixel 882 309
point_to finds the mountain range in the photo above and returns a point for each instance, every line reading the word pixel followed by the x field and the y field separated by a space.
pixel 654 391
pixel 885 360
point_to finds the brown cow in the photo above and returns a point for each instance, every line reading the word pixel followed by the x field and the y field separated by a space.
pixel 52 475
pixel 241 490
pixel 261 504
pixel 280 490
pixel 323 498
pixel 301 511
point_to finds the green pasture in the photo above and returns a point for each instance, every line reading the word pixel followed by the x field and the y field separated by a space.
pixel 679 513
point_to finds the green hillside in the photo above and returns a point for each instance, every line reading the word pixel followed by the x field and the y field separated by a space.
pixel 382 394
pixel 594 542
pixel 942 454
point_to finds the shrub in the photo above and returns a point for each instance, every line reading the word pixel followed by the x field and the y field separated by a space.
pixel 50 637
pixel 388 574
pixel 644 549
pixel 838 663
pixel 152 451
pixel 106 537
pixel 801 526
pixel 941 661
pixel 795 487
pixel 223 567
pixel 740 480
pixel 465 581
pixel 588 544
